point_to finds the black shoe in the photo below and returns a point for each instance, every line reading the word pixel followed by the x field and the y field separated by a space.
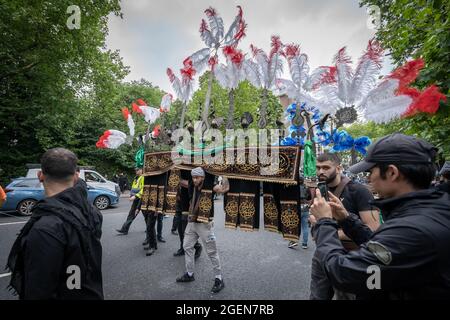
pixel 150 252
pixel 161 239
pixel 218 285
pixel 179 253
pixel 145 243
pixel 186 278
pixel 174 232
pixel 122 232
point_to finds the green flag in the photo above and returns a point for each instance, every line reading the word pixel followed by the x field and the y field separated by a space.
pixel 309 163
pixel 139 157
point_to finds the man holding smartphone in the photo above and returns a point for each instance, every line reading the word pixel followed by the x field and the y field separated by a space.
pixel 355 198
pixel 407 257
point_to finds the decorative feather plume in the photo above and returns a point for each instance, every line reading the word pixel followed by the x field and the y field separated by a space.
pixel 236 30
pixel 206 34
pixel 408 72
pixel 199 60
pixel 253 73
pixel 344 72
pixel 322 75
pixel 262 60
pixel 427 102
pixel 367 70
pixel 216 24
pixel 176 83
pixel 298 64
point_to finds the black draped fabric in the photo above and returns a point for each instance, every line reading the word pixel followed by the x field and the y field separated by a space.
pixel 154 193
pixel 241 204
pixel 205 206
pixel 282 209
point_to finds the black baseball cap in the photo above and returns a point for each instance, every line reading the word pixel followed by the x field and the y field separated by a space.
pixel 396 148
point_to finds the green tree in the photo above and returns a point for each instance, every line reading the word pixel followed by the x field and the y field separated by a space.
pixel 50 75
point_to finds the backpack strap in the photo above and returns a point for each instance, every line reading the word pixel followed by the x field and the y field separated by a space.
pixel 340 188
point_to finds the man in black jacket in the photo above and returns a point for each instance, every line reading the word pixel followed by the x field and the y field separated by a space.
pixel 58 253
pixel 408 256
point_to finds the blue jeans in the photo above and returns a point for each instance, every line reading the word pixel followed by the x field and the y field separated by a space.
pixel 303 227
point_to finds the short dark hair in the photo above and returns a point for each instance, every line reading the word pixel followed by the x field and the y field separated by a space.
pixel 333 157
pixel 419 175
pixel 59 164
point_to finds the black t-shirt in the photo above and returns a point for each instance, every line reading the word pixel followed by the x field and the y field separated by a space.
pixel 355 197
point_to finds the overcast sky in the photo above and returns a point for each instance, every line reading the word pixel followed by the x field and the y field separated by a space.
pixel 156 34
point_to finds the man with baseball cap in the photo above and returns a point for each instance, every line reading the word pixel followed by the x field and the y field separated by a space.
pixel 408 256
pixel 200 226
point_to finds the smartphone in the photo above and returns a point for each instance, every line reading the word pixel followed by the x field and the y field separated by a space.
pixel 322 185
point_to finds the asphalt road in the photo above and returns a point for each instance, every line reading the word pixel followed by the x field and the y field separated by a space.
pixel 256 265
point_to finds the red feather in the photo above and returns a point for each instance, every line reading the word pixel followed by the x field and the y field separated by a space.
pixel 203 26
pixel 187 62
pixel 210 12
pixel 241 32
pixel 327 78
pixel 101 141
pixel 170 74
pixel 125 113
pixel 427 102
pixel 408 72
pixel 141 102
pixel 291 50
pixel 374 52
pixel 276 46
pixel 136 108
pixel 213 62
pixel 342 56
pixel 188 73
pixel 228 51
pixel 240 11
pixel 412 92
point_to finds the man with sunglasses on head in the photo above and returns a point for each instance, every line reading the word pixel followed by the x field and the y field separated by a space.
pixel 407 257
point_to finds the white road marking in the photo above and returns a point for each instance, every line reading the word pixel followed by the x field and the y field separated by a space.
pixel 5 275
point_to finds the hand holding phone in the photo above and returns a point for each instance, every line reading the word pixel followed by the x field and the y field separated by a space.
pixel 322 186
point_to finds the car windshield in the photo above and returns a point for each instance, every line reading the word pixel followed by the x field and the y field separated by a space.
pixel 27 183
pixel 92 177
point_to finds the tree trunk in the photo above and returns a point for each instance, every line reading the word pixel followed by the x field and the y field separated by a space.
pixel 207 101
pixel 230 120
pixel 262 123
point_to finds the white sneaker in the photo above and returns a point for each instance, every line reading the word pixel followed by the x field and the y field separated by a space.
pixel 292 244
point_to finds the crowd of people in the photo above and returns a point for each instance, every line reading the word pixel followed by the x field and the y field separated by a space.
pixel 403 233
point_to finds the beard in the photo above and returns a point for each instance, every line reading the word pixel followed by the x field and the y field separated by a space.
pixel 328 179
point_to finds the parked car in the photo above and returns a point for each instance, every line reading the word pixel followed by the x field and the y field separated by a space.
pixel 23 194
pixel 92 178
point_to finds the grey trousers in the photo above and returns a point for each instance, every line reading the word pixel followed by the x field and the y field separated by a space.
pixel 204 231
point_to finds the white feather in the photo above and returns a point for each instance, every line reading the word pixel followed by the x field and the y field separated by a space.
pixel 344 76
pixel 221 76
pixel 275 69
pixel 299 69
pixel 363 81
pixel 200 59
pixel 130 123
pixel 315 78
pixel 208 38
pixel 388 109
pixel 253 73
pixel 217 28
